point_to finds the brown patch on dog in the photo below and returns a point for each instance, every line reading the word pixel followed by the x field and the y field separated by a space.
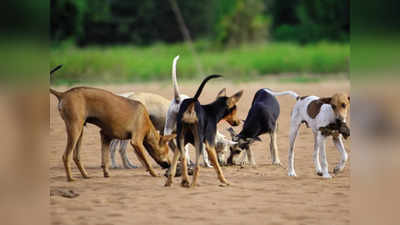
pixel 314 107
pixel 189 116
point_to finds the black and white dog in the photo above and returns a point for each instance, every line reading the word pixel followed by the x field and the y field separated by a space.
pixel 262 118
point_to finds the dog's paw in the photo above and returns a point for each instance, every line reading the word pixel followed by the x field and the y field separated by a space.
pixel 336 170
pixel 327 176
pixel 168 183
pixel 185 184
pixel 71 179
pixel 277 163
pixel 292 174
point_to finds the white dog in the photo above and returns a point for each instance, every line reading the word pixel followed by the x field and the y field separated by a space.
pixel 317 113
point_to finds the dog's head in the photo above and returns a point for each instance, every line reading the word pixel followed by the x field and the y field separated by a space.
pixel 160 155
pixel 242 145
pixel 340 103
pixel 222 147
pixel 230 114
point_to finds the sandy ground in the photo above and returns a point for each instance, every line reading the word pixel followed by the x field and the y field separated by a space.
pixel 261 195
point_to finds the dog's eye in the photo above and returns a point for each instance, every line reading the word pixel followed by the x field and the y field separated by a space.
pixel 344 105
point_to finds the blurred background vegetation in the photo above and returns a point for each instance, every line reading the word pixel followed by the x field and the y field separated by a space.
pixel 130 40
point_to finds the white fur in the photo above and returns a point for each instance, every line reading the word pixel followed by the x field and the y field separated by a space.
pixel 324 118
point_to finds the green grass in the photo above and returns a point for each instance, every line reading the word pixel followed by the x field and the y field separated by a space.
pixel 132 63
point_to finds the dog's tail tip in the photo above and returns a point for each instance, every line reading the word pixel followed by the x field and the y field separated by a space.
pixel 203 83
pixel 55 69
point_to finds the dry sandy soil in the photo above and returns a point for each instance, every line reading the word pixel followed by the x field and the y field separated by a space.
pixel 261 195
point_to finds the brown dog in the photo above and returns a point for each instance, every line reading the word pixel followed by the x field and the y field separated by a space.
pixel 117 117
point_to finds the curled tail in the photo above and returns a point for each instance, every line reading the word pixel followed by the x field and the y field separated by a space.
pixel 174 82
pixel 291 93
pixel 52 91
pixel 200 89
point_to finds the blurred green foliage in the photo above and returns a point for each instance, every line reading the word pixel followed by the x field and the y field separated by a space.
pixel 225 22
pixel 132 63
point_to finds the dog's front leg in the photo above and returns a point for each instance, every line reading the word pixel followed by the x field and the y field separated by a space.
pixel 205 157
pixel 250 157
pixel 322 155
pixel 137 144
pixel 316 156
pixel 105 154
pixel 172 169
pixel 338 141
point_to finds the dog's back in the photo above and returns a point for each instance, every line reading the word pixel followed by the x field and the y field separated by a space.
pixel 114 114
pixel 262 115
pixel 157 107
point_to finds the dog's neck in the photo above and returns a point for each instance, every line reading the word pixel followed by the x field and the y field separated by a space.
pixel 217 109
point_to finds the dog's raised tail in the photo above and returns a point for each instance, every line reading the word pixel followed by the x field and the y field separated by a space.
pixel 52 91
pixel 291 93
pixel 197 95
pixel 174 82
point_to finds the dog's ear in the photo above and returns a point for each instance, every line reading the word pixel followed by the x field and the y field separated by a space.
pixel 235 98
pixel 167 138
pixel 326 100
pixel 221 93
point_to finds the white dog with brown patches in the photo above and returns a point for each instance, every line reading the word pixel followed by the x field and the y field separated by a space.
pixel 316 113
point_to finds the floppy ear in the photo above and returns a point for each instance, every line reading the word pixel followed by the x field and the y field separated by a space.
pixel 326 100
pixel 235 98
pixel 167 138
pixel 222 93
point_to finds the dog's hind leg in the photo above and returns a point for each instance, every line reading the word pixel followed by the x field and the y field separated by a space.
pixel 213 157
pixel 77 157
pixel 185 178
pixel 105 154
pixel 294 128
pixel 199 147
pixel 73 130
pixel 125 160
pixel 113 149
pixel 338 141
pixel 274 147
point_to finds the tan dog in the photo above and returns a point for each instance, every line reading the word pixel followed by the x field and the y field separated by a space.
pixel 117 117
